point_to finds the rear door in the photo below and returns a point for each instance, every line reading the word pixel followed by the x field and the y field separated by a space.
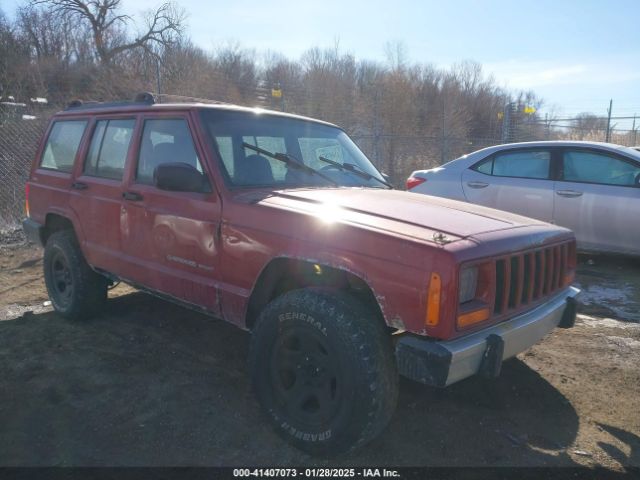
pixel 97 189
pixel 170 237
pixel 517 181
pixel 52 176
pixel 597 196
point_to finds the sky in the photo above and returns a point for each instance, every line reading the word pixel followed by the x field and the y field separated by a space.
pixel 576 55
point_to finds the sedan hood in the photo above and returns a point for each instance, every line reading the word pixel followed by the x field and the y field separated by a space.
pixel 404 213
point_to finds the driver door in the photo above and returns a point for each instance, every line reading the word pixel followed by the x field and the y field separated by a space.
pixel 170 236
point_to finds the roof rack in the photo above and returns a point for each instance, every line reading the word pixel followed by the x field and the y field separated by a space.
pixel 184 98
pixel 143 98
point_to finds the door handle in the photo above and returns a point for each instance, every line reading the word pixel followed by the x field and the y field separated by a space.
pixel 133 196
pixel 478 184
pixel 569 193
pixel 79 186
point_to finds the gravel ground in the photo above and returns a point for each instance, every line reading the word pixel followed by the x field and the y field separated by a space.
pixel 149 383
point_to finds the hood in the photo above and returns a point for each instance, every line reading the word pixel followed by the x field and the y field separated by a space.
pixel 400 212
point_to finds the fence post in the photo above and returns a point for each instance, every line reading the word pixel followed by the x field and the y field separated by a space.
pixel 507 133
pixel 547 126
pixel 442 141
pixel 608 137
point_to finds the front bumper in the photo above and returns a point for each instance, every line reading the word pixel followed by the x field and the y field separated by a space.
pixel 441 363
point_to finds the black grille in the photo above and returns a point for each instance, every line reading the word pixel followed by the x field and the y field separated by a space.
pixel 527 277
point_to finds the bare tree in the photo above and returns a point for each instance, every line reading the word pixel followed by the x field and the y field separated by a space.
pixel 52 39
pixel 109 26
pixel 14 60
pixel 236 72
pixel 396 53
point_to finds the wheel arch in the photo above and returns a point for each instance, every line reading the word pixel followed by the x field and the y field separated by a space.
pixel 283 274
pixel 55 222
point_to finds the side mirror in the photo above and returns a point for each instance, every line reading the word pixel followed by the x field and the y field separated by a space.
pixel 179 177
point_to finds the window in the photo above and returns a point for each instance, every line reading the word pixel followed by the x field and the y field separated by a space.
pixel 271 144
pixel 522 164
pixel 593 167
pixel 62 145
pixel 313 148
pixel 302 140
pixel 225 149
pixel 165 141
pixel 109 147
pixel 527 164
pixel 485 167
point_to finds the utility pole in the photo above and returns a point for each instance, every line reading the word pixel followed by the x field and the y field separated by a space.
pixel 276 92
pixel 608 137
pixel 635 132
pixel 443 145
pixel 507 130
pixel 546 126
pixel 376 129
pixel 158 82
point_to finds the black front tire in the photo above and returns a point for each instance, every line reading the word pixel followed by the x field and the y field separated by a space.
pixel 323 369
pixel 75 290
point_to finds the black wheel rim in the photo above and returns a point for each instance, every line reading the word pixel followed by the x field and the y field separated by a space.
pixel 61 279
pixel 304 374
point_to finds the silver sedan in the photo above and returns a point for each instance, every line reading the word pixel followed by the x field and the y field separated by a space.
pixel 591 188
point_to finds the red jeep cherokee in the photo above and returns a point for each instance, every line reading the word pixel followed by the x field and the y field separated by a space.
pixel 281 225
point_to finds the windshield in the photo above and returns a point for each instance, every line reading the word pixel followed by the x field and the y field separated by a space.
pixel 296 141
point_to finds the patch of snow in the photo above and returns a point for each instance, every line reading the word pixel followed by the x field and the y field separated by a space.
pixel 625 343
pixel 596 322
pixel 619 299
pixel 14 311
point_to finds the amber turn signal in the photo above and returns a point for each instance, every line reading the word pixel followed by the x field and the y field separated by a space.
pixel 471 318
pixel 433 301
pixel 569 278
pixel 26 201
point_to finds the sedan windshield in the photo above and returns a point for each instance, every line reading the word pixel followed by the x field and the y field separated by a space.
pixel 263 150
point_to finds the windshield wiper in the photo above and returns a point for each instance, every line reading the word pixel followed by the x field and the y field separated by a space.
pixel 290 160
pixel 350 167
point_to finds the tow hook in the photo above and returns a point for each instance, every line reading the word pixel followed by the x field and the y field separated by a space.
pixel 492 358
pixel 568 319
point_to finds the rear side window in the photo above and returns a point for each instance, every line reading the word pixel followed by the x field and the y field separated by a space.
pixel 165 141
pixel 593 167
pixel 109 147
pixel 527 164
pixel 485 167
pixel 62 145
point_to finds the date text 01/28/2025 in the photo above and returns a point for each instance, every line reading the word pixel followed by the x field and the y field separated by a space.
pixel 315 472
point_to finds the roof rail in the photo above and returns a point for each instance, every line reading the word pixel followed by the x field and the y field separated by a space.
pixel 143 98
pixel 183 98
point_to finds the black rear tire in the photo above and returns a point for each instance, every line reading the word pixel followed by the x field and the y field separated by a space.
pixel 75 290
pixel 323 369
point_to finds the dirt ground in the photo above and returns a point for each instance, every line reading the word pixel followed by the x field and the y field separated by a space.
pixel 150 383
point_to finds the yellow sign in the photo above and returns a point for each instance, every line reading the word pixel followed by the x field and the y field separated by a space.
pixel 276 93
pixel 529 110
pixel 500 115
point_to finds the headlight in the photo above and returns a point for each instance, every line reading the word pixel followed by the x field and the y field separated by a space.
pixel 468 284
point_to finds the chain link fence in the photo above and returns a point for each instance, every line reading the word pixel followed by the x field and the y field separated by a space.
pixel 395 155
pixel 19 140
